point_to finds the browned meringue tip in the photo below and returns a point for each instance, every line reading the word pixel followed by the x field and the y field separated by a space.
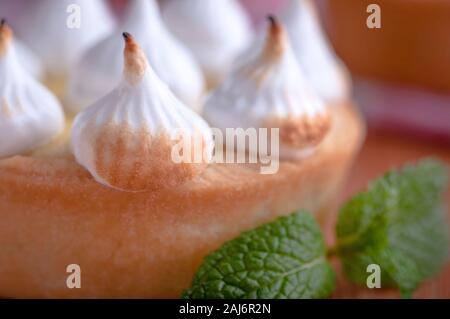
pixel 135 59
pixel 6 35
pixel 276 37
pixel 127 36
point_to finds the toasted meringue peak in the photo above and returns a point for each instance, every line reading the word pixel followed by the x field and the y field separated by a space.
pixel 171 61
pixel 29 114
pixel 50 28
pixel 277 43
pixel 5 37
pixel 322 67
pixel 215 31
pixel 127 138
pixel 270 91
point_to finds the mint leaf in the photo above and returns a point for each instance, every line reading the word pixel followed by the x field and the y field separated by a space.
pixel 283 259
pixel 398 224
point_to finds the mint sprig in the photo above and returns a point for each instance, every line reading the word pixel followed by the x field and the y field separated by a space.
pixel 283 259
pixel 398 223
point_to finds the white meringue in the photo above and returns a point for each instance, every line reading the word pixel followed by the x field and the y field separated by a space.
pixel 30 116
pixel 322 67
pixel 125 139
pixel 172 62
pixel 270 91
pixel 30 61
pixel 215 31
pixel 61 43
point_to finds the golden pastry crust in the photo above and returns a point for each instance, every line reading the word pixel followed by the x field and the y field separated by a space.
pixel 53 213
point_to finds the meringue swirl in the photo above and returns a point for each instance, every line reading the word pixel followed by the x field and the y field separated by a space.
pixel 125 139
pixel 215 31
pixel 316 56
pixel 270 91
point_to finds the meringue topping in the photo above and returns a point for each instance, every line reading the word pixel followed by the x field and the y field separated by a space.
pixel 126 139
pixel 215 31
pixel 30 115
pixel 322 67
pixel 30 61
pixel 61 43
pixel 270 91
pixel 171 61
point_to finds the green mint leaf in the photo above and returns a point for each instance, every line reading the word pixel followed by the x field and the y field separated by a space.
pixel 398 224
pixel 282 259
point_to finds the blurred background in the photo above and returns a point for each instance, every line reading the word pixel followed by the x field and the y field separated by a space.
pixel 402 70
pixel 401 75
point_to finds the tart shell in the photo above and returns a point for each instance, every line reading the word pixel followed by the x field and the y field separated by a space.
pixel 53 214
